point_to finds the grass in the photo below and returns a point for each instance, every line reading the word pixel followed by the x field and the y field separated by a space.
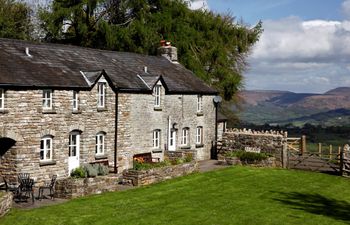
pixel 236 195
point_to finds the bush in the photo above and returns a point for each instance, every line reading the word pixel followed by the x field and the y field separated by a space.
pixel 91 170
pixel 78 172
pixel 248 157
pixel 102 169
pixel 188 158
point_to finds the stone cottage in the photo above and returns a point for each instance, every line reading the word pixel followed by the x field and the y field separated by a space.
pixel 62 106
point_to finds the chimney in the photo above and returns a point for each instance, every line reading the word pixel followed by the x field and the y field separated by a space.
pixel 168 51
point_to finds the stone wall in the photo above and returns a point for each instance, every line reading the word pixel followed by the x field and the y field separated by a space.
pixel 271 142
pixel 78 187
pixel 145 177
pixel 138 119
pixel 5 203
pixel 25 121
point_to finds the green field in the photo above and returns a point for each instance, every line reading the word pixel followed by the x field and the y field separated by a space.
pixel 236 195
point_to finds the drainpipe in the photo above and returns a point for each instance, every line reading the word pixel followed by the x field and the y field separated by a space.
pixel 217 100
pixel 116 132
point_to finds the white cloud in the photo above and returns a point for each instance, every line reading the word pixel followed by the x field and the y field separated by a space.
pixel 301 56
pixel 198 4
pixel 346 7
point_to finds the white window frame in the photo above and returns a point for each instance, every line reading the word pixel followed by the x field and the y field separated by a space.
pixel 2 99
pixel 101 94
pixel 75 101
pixel 46 148
pixel 47 99
pixel 199 135
pixel 199 103
pixel 157 95
pixel 75 145
pixel 156 138
pixel 185 136
pixel 100 143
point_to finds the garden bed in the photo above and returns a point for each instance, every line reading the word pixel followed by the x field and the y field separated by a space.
pixel 155 175
pixel 77 187
pixel 248 158
pixel 5 202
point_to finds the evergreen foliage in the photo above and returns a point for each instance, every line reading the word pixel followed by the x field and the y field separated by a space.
pixel 213 46
pixel 14 20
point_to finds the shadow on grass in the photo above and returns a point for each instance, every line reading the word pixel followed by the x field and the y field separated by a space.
pixel 317 204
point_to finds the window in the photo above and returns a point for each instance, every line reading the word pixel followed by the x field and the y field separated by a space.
pixel 101 88
pixel 185 138
pixel 74 143
pixel 47 99
pixel 199 103
pixel 2 99
pixel 156 139
pixel 100 143
pixel 156 93
pixel 46 148
pixel 75 101
pixel 199 135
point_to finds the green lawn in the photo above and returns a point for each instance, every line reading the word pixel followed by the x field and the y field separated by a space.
pixel 237 195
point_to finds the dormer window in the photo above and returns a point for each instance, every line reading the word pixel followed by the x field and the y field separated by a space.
pixel 2 99
pixel 156 93
pixel 47 99
pixel 199 104
pixel 75 101
pixel 101 89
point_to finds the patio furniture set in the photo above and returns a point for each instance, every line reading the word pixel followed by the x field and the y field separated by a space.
pixel 24 188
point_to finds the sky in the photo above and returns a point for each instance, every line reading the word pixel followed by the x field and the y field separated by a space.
pixel 305 46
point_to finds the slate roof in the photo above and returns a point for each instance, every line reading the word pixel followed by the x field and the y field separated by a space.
pixel 65 66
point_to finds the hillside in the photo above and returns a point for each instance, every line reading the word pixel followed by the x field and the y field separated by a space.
pixel 330 108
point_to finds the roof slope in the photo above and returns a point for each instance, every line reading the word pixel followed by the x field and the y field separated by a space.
pixel 63 66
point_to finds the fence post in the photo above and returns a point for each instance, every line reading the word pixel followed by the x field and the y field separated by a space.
pixel 341 164
pixel 285 151
pixel 330 151
pixel 303 144
pixel 320 149
pixel 339 151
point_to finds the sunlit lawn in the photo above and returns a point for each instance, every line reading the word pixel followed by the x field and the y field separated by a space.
pixel 237 195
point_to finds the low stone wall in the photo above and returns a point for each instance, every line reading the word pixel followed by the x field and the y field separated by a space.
pixel 155 175
pixel 269 162
pixel 78 187
pixel 174 155
pixel 5 203
pixel 271 142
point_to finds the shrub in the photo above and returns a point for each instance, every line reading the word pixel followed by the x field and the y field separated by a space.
pixel 248 157
pixel 78 172
pixel 102 169
pixel 91 170
pixel 188 158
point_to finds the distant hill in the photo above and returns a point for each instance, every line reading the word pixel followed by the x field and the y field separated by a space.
pixel 330 108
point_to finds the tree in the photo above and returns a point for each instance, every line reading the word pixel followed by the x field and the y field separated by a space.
pixel 14 20
pixel 213 46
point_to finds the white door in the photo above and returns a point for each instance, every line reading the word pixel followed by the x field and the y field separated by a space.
pixel 172 140
pixel 74 148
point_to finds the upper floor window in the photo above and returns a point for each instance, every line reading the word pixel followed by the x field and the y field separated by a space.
pixel 75 101
pixel 156 139
pixel 46 148
pixel 199 135
pixel 156 92
pixel 199 103
pixel 101 89
pixel 2 99
pixel 185 136
pixel 47 99
pixel 100 143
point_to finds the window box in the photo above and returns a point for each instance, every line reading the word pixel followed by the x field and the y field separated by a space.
pixel 103 156
pixel 199 145
pixel 47 163
pixel 185 147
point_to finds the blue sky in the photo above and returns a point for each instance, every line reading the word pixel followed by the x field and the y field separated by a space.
pixel 305 46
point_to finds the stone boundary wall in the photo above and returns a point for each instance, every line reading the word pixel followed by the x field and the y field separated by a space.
pixel 146 177
pixel 271 142
pixel 174 155
pixel 5 203
pixel 77 187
